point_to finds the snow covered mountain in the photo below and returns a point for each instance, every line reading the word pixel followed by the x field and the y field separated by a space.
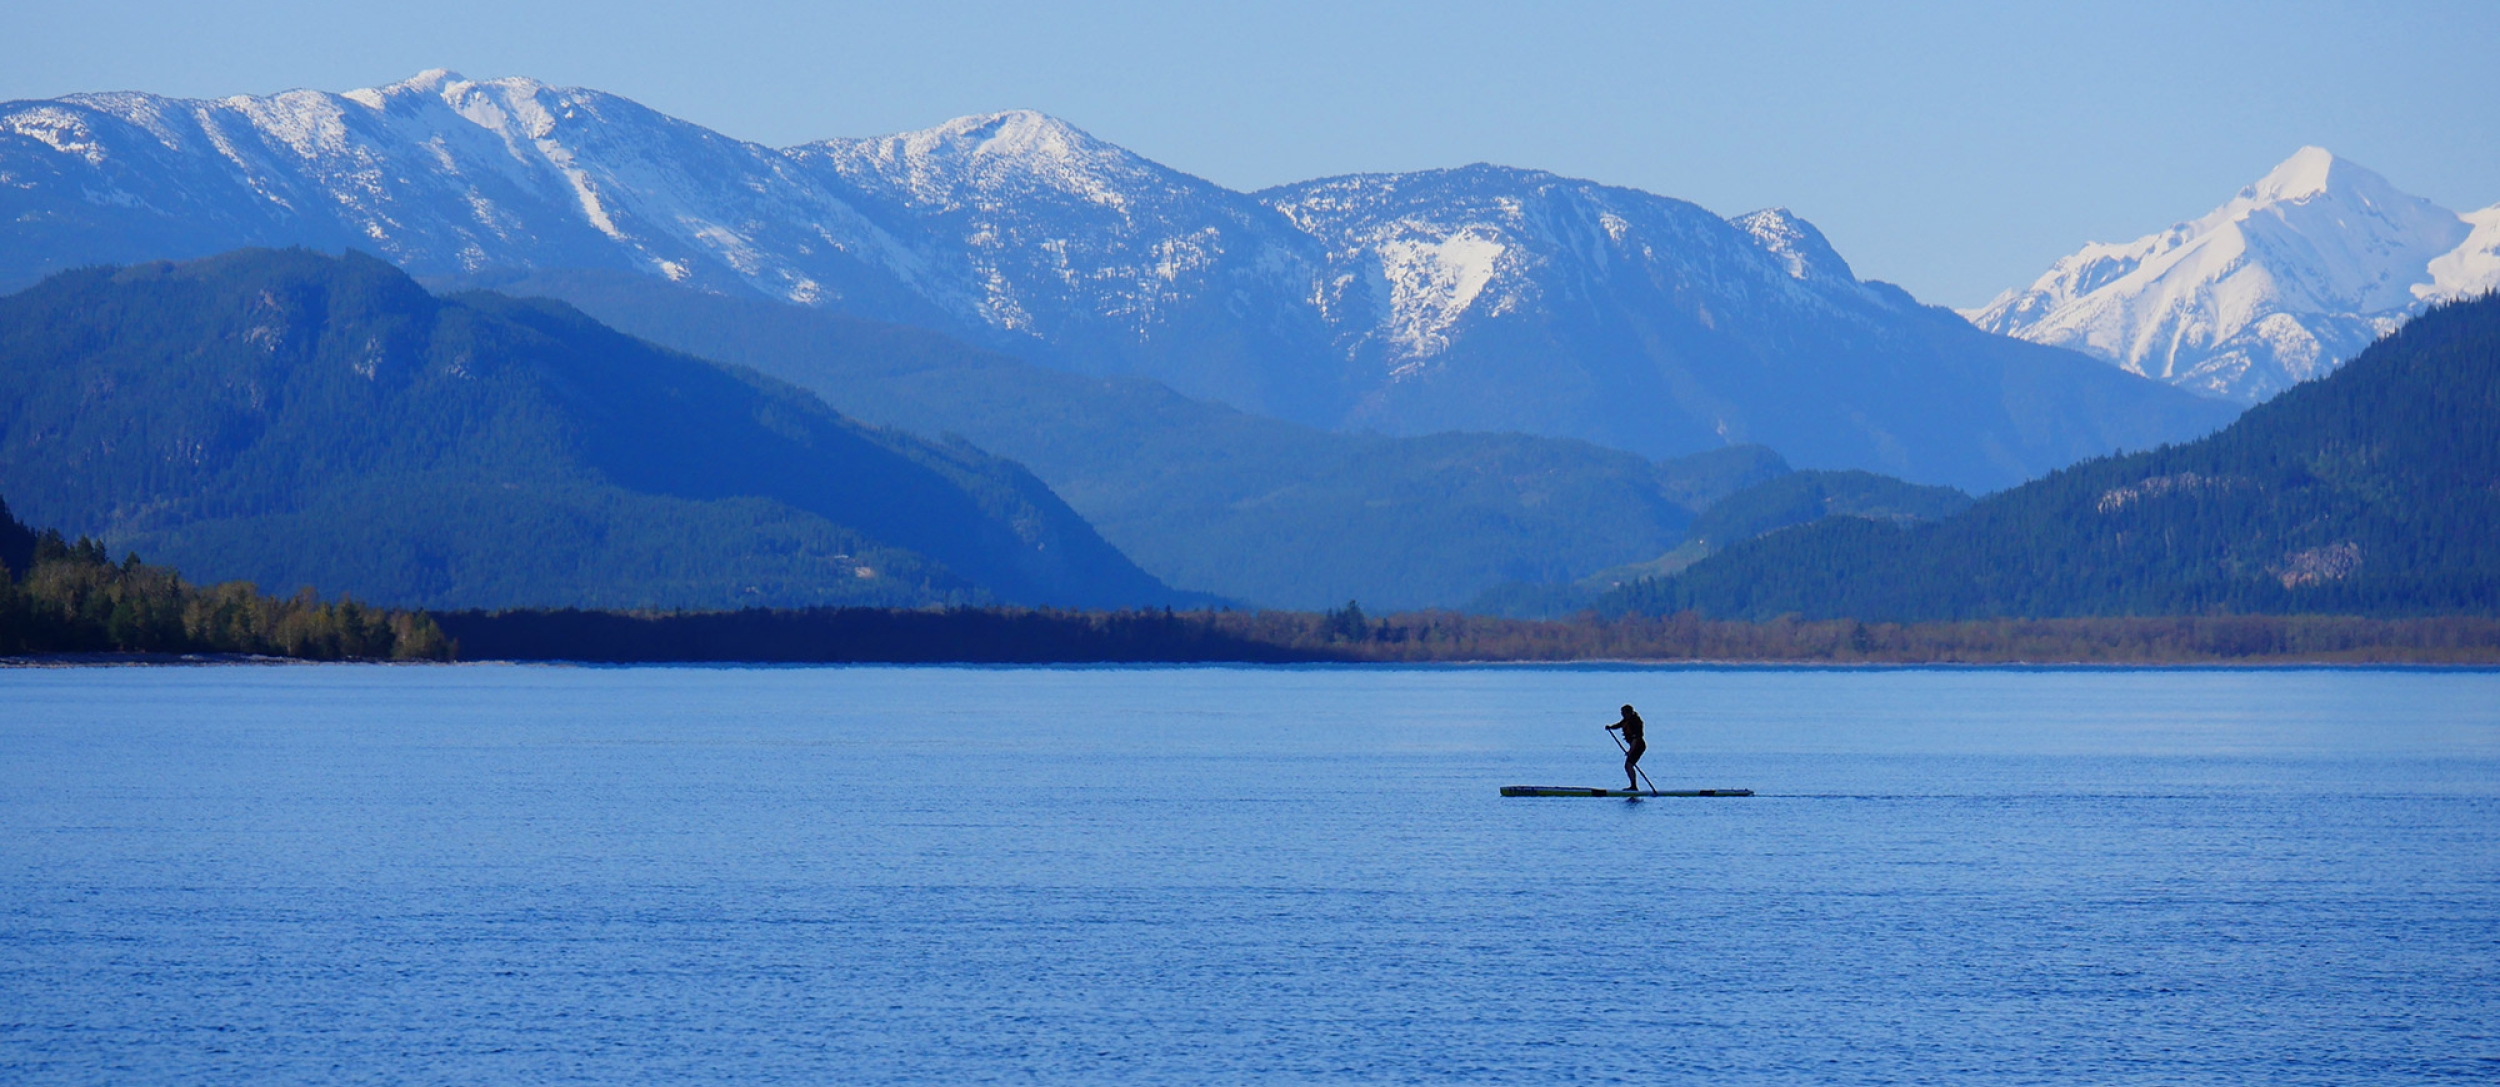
pixel 1641 321
pixel 1479 298
pixel 2295 274
pixel 440 175
pixel 1055 244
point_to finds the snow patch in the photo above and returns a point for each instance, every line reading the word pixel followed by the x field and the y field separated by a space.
pixel 2473 267
pixel 1431 284
pixel 60 130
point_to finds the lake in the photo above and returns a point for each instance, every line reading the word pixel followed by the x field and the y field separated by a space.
pixel 323 874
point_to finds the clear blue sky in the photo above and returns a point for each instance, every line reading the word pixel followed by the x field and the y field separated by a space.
pixel 1953 148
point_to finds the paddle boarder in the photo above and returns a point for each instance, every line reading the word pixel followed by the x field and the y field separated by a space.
pixel 1633 745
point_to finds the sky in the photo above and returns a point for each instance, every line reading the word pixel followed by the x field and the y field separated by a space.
pixel 1953 148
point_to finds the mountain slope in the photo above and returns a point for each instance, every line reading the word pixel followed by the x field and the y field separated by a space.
pixel 291 418
pixel 2293 275
pixel 1482 298
pixel 1491 298
pixel 1806 497
pixel 1208 497
pixel 1768 505
pixel 2375 490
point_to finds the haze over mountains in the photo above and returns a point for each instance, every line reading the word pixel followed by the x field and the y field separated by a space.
pixel 1206 496
pixel 2292 276
pixel 1481 298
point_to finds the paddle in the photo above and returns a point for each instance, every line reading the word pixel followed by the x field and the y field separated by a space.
pixel 1627 753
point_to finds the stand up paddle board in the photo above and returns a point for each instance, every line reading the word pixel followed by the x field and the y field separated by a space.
pixel 1565 790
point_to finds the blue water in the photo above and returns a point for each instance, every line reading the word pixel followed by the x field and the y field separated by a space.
pixel 871 875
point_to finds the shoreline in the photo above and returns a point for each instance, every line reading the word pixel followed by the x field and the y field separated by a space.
pixel 1021 637
pixel 185 660
pixel 67 661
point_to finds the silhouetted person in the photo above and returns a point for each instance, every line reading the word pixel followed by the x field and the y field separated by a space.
pixel 1633 745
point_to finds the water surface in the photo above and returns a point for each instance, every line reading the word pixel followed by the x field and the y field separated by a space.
pixel 866 875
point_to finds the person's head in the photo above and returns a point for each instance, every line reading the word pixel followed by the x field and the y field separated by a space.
pixel 1627 707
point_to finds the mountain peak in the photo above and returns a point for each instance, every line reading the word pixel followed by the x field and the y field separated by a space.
pixel 448 85
pixel 1010 124
pixel 2308 172
pixel 2314 172
pixel 2293 274
pixel 1016 134
pixel 428 83
pixel 430 79
pixel 1801 249
pixel 996 159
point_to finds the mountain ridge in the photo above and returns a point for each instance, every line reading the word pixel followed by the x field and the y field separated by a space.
pixel 1522 301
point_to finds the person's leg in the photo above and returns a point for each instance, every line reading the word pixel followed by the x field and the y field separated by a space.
pixel 1631 767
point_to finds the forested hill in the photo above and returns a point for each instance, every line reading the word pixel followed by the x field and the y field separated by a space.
pixel 2374 491
pixel 289 418
pixel 1207 497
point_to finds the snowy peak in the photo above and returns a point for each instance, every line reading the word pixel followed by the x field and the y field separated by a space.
pixel 2307 173
pixel 430 83
pixel 2338 238
pixel 1057 242
pixel 2310 175
pixel 984 159
pixel 2295 273
pixel 1016 135
pixel 1799 247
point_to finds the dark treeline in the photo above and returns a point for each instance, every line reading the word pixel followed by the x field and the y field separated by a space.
pixel 867 636
pixel 1346 634
pixel 1018 636
pixel 72 598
